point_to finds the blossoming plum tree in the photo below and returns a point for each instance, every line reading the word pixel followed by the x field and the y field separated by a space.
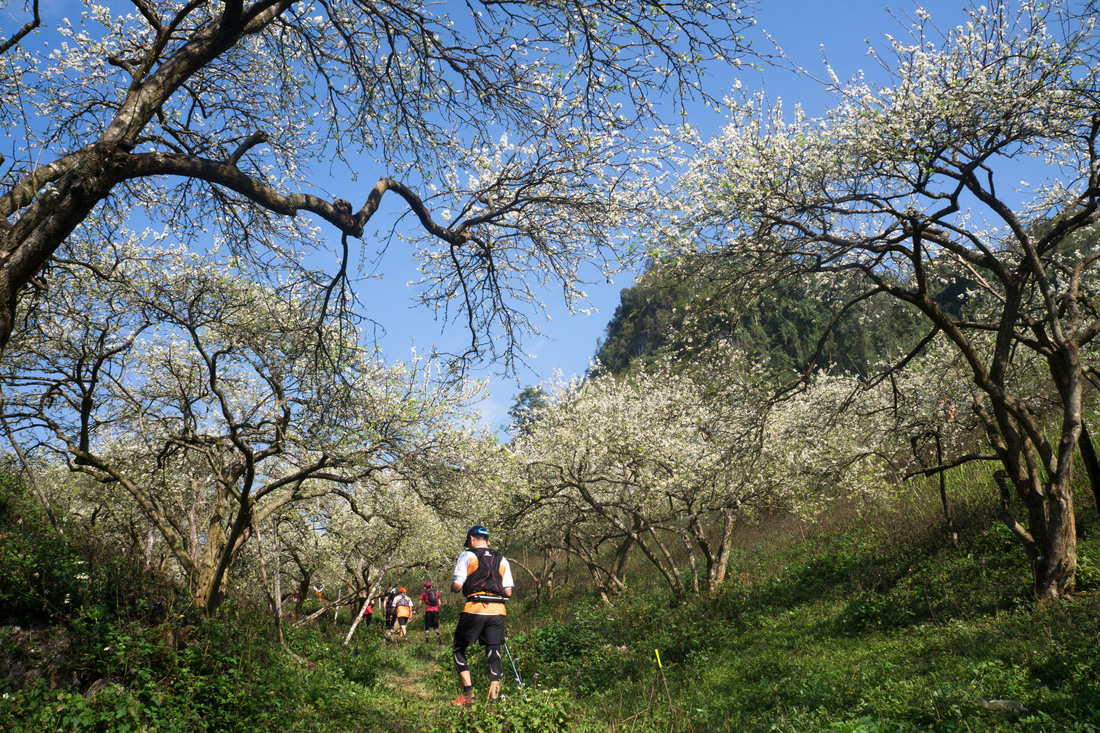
pixel 916 180
pixel 674 454
pixel 193 390
pixel 507 128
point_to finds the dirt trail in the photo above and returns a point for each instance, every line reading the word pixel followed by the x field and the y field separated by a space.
pixel 417 680
pixel 415 683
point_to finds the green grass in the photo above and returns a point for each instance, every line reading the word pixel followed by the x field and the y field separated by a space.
pixel 868 620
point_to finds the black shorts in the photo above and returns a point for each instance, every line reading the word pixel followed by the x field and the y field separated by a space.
pixel 489 630
pixel 402 620
pixel 431 620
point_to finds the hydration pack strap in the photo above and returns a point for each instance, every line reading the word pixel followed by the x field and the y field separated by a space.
pixel 486 599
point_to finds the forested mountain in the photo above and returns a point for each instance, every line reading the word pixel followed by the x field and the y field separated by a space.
pixel 781 326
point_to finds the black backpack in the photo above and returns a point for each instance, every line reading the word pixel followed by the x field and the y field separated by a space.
pixel 433 598
pixel 487 578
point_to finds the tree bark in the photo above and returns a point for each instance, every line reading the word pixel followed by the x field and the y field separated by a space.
pixel 949 522
pixel 1090 461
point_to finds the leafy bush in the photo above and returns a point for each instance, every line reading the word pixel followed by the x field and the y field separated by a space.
pixel 586 653
pixel 42 577
pixel 531 711
pixel 35 708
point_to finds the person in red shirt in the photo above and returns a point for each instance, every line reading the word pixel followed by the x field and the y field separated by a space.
pixel 430 599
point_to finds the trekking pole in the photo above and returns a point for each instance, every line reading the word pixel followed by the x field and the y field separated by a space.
pixel 513 661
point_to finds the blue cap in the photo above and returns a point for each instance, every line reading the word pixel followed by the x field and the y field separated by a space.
pixel 477 531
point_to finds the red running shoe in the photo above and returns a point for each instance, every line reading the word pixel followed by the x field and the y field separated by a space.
pixel 463 699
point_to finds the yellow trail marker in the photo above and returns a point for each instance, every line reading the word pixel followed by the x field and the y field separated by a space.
pixel 661 667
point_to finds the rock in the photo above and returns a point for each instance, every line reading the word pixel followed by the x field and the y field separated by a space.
pixel 28 655
pixel 1004 707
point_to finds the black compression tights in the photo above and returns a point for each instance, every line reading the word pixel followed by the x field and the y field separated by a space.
pixel 496 663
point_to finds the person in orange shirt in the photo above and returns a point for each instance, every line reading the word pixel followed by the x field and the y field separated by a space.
pixel 485 578
pixel 403 608
pixel 391 615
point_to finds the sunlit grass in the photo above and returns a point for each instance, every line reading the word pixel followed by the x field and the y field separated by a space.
pixel 865 620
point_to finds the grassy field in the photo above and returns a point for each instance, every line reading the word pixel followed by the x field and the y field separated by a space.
pixel 868 620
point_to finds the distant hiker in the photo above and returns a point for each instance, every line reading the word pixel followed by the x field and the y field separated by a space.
pixel 403 608
pixel 368 613
pixel 391 612
pixel 430 599
pixel 484 577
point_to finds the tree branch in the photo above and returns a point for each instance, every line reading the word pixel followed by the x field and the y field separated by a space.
pixel 22 33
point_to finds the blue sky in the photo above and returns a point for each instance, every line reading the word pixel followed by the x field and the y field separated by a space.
pixel 568 342
pixel 803 28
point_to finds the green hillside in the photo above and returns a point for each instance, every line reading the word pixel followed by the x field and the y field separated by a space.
pixel 787 326
pixel 868 620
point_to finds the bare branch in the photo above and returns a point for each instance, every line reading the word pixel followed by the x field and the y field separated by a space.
pixel 28 27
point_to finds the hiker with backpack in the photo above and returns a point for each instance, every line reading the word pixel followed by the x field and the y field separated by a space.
pixel 430 599
pixel 403 609
pixel 483 576
pixel 391 612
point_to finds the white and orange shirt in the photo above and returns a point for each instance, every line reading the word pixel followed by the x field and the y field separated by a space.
pixel 467 563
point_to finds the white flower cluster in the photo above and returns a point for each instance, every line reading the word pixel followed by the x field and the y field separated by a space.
pixel 204 406
pixel 675 449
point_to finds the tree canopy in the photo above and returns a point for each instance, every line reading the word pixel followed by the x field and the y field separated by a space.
pixel 902 182
pixel 668 458
pixel 195 397
pixel 508 130
pixel 180 171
